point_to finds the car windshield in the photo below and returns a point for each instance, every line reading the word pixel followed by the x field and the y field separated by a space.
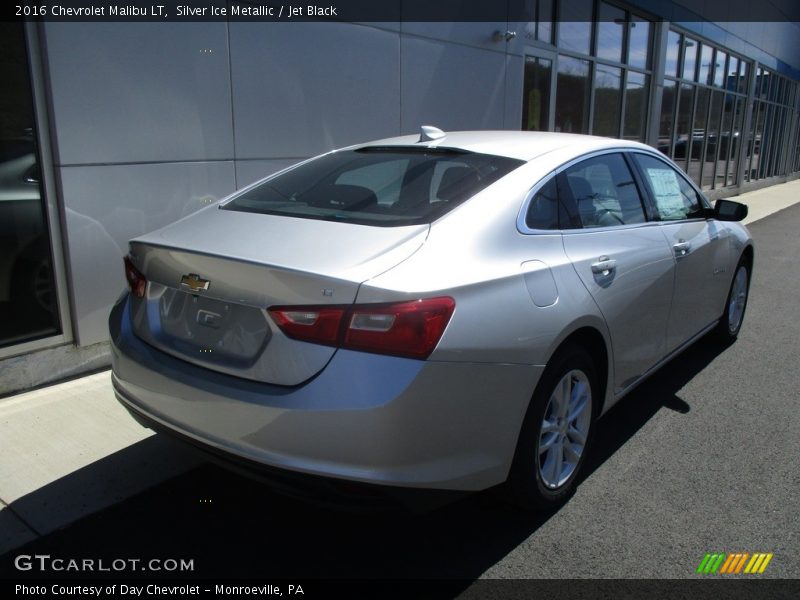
pixel 383 186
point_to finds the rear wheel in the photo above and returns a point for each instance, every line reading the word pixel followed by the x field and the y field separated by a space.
pixel 557 432
pixel 731 321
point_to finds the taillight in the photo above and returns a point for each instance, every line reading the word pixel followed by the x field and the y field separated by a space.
pixel 406 329
pixel 136 281
pixel 411 329
pixel 318 325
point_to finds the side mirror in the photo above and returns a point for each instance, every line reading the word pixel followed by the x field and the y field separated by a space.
pixel 728 210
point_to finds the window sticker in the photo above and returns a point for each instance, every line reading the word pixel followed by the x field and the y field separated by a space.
pixel 668 193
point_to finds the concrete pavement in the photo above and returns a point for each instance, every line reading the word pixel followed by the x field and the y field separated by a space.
pixel 53 434
pixel 50 434
pixel 769 200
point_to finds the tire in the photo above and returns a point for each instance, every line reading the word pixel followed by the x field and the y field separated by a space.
pixel 730 322
pixel 542 477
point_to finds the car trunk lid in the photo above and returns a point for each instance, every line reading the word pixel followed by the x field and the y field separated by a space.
pixel 213 275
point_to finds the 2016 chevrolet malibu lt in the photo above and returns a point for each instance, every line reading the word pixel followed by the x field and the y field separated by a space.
pixel 446 311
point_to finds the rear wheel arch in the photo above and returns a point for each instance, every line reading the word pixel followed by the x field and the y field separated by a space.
pixel 590 339
pixel 556 432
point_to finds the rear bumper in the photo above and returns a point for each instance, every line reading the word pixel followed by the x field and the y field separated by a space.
pixel 369 418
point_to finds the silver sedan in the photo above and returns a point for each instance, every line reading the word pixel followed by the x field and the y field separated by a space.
pixel 448 311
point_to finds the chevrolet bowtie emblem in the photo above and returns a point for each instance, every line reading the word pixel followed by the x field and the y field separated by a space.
pixel 194 282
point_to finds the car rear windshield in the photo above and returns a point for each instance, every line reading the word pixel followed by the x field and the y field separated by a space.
pixel 383 186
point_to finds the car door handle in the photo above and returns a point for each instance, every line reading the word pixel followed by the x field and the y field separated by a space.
pixel 604 266
pixel 682 248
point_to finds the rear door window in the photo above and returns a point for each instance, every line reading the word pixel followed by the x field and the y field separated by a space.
pixel 601 191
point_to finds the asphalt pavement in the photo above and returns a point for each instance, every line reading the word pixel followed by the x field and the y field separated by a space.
pixel 702 458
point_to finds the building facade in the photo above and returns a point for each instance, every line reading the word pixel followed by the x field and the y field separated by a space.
pixel 112 129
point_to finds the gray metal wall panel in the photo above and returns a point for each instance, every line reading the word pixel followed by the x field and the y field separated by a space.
pixel 478 35
pixel 135 92
pixel 512 117
pixel 300 89
pixel 451 86
pixel 105 206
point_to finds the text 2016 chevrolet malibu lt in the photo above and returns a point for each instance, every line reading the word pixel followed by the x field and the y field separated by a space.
pixel 446 311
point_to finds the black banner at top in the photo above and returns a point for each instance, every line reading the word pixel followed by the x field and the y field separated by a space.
pixel 382 10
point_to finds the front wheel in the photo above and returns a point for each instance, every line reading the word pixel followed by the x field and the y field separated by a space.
pixel 556 433
pixel 731 321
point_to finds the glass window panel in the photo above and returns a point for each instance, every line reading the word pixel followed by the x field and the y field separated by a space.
pixel 543 210
pixel 536 94
pixel 765 79
pixel 736 139
pixel 575 36
pixel 610 27
pixel 766 140
pixel 724 144
pixel 607 100
pixel 384 188
pixel 544 17
pixel 604 192
pixel 706 64
pixel 750 144
pixel 797 157
pixel 758 147
pixel 544 32
pixel 575 26
pixel 635 106
pixel 639 43
pixel 27 291
pixel 744 74
pixel 776 148
pixel 780 138
pixel 690 48
pixel 683 125
pixel 673 52
pixel 719 68
pixel 572 95
pixel 733 74
pixel 699 132
pixel 665 122
pixel 712 140
pixel 773 87
pixel 675 198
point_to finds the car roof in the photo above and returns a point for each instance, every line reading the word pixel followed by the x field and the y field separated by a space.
pixel 521 145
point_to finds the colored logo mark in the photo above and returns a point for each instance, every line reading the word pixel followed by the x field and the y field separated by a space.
pixel 733 563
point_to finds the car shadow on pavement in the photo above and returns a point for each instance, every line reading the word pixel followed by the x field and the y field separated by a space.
pixel 231 526
pixel 661 390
